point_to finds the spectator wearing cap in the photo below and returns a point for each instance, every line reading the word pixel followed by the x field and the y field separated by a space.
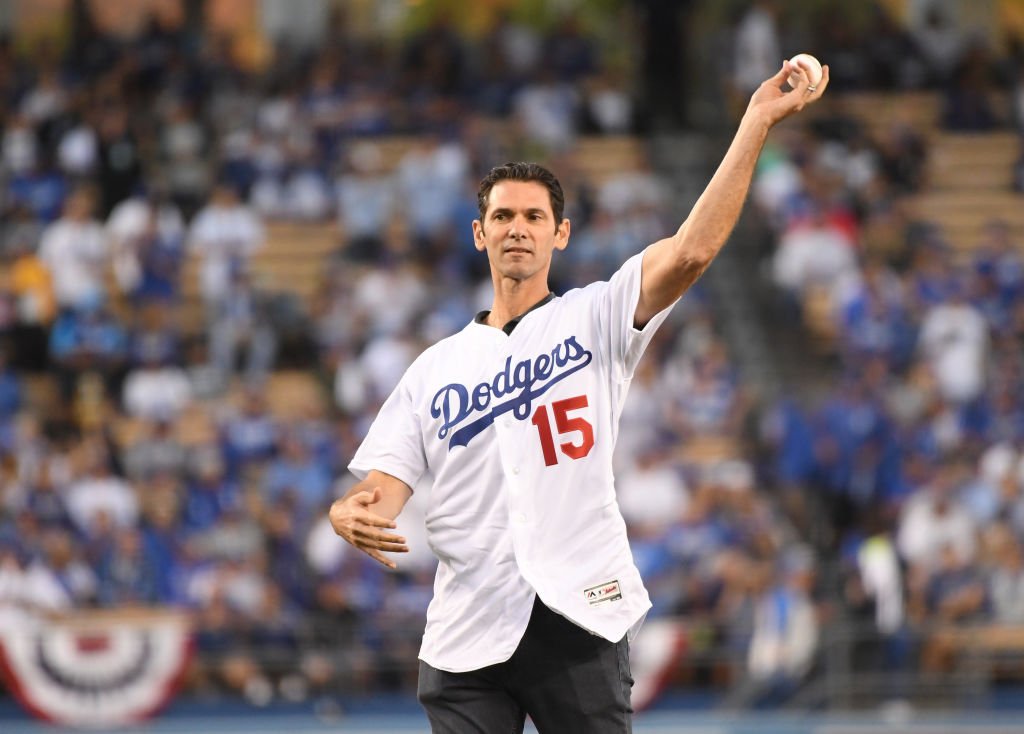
pixel 157 451
pixel 954 339
pixel 429 209
pixel 307 194
pixel 156 390
pixel 40 186
pixel 642 420
pixel 1002 414
pixel 786 430
pixel 955 594
pixel 240 329
pixel 997 258
pixel 69 568
pixel 991 493
pixel 712 403
pixel 98 491
pixel 162 535
pixel 813 254
pixel 128 574
pixel 76 251
pixel 146 234
pixel 932 520
pixel 873 317
pixel 282 518
pixel 938 37
pixel 651 492
pixel 249 435
pixel 89 340
pixel 231 544
pixel 224 234
pixel 851 443
pixel 27 586
pixel 209 492
pixel 1006 580
pixel 366 196
pixel 546 110
pixel 706 540
pixel 785 636
pixel 44 498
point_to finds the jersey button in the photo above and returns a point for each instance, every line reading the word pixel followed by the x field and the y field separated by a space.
pixel 519 517
pixel 515 470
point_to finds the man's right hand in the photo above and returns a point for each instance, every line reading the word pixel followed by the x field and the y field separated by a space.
pixel 352 519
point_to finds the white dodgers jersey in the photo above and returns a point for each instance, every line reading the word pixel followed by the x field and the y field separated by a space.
pixel 518 432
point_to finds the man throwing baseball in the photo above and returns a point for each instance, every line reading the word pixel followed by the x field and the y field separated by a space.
pixel 515 417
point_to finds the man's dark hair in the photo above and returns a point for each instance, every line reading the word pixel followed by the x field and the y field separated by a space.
pixel 521 171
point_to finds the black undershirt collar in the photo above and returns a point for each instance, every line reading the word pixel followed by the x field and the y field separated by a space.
pixel 481 318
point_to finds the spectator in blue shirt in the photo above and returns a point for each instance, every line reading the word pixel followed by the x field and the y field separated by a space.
pixel 251 435
pixel 209 492
pixel 88 339
pixel 296 471
pixel 128 572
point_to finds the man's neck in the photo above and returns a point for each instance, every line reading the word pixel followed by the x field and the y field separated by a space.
pixel 514 298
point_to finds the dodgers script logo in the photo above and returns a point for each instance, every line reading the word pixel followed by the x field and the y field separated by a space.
pixel 455 403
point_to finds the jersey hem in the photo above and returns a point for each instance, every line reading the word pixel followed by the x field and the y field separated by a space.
pixel 460 669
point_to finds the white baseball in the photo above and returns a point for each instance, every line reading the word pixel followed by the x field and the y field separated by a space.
pixel 809 64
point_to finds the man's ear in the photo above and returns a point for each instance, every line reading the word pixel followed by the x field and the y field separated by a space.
pixel 478 235
pixel 562 234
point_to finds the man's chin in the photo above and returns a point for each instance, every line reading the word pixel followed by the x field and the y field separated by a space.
pixel 517 273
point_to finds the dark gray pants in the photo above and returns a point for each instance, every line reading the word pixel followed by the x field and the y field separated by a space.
pixel 566 679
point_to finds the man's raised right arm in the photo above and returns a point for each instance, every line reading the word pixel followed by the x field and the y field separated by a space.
pixel 367 512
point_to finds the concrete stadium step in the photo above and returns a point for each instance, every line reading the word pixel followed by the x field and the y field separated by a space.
pixel 1009 203
pixel 879 111
pixel 963 214
pixel 967 162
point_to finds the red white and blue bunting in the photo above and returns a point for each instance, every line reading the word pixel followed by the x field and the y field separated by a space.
pixel 96 671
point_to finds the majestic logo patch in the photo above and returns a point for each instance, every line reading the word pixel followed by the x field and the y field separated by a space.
pixel 455 403
pixel 608 591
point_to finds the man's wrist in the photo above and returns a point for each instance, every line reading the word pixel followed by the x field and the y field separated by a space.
pixel 755 122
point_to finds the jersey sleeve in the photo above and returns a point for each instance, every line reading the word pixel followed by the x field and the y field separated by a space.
pixel 393 444
pixel 616 308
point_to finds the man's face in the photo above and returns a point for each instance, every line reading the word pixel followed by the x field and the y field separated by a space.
pixel 519 232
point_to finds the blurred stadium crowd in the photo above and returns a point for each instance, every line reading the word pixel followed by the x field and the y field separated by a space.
pixel 145 460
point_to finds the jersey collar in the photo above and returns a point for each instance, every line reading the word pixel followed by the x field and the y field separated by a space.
pixel 481 318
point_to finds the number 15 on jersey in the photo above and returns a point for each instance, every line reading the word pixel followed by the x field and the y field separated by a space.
pixel 565 424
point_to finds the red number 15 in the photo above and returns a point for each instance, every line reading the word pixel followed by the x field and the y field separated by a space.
pixel 565 424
